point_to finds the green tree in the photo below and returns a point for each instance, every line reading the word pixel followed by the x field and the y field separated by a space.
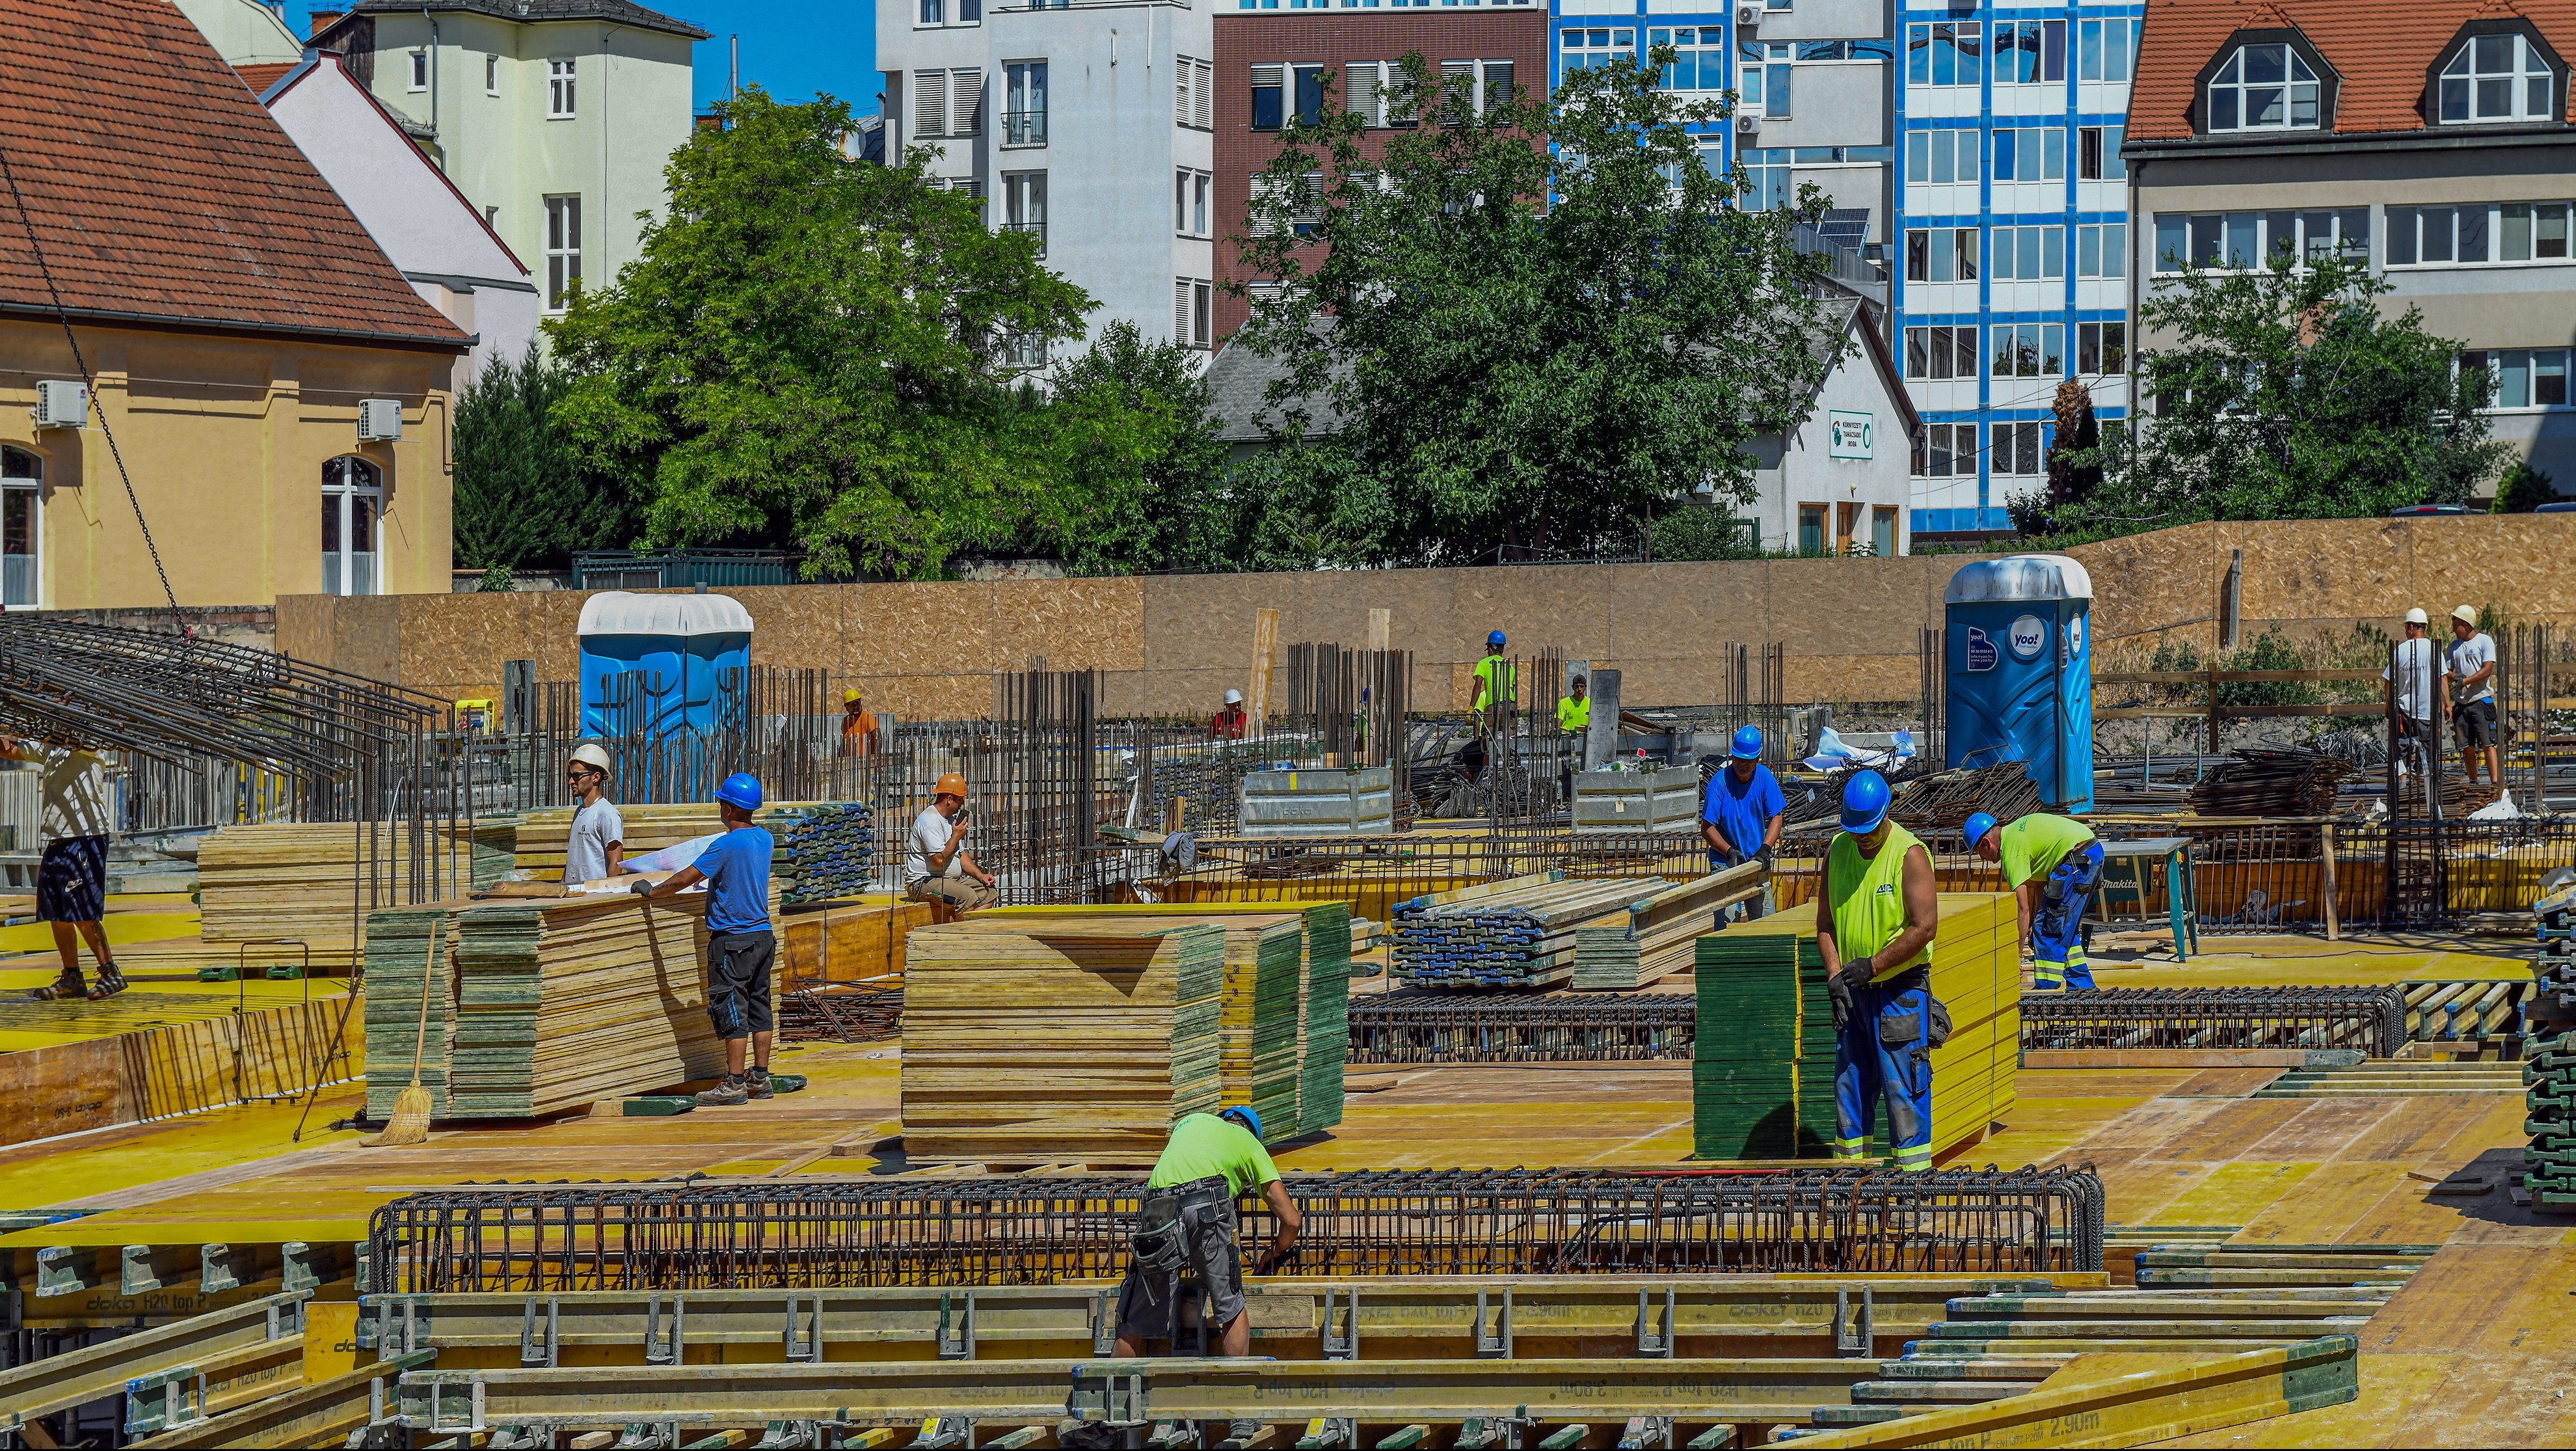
pixel 2286 393
pixel 1692 532
pixel 1140 469
pixel 822 355
pixel 524 495
pixel 2523 489
pixel 1531 349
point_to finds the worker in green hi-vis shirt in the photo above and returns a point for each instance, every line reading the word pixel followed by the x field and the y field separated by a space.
pixel 2054 865
pixel 1494 683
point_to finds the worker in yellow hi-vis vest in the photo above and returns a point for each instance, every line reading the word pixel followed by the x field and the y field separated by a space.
pixel 1874 926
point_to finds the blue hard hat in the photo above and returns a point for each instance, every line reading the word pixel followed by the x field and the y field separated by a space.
pixel 1979 823
pixel 1865 798
pixel 1748 743
pixel 740 789
pixel 1494 641
pixel 1245 1117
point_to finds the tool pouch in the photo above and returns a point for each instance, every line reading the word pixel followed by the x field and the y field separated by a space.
pixel 1158 1246
pixel 1899 1027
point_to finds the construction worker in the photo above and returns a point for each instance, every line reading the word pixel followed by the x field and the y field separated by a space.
pixel 71 877
pixel 2468 688
pixel 1875 921
pixel 597 846
pixel 740 945
pixel 1741 812
pixel 938 867
pixel 1574 713
pixel 1186 1221
pixel 1232 721
pixel 1494 683
pixel 858 725
pixel 2054 865
pixel 2411 674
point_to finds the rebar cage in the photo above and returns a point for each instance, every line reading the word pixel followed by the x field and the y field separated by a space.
pixel 1592 1028
pixel 2372 1019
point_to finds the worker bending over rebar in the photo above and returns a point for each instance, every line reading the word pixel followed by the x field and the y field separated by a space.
pixel 2053 865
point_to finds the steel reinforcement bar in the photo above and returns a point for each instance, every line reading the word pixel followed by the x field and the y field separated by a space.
pixel 2371 1019
pixel 1588 1028
pixel 1038 1230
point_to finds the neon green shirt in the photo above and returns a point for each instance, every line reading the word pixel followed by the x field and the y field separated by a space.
pixel 1573 714
pixel 1868 895
pixel 1204 1145
pixel 1496 673
pixel 2035 844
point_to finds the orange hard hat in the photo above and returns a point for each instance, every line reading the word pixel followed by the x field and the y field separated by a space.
pixel 951 784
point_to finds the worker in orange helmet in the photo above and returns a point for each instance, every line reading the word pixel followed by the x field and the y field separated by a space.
pixel 937 868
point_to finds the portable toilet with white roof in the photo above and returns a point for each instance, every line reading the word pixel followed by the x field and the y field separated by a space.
pixel 673 645
pixel 2020 672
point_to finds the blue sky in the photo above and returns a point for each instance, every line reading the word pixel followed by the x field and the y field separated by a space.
pixel 793 47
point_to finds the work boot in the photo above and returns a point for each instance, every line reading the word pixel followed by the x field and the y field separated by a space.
pixel 1086 1436
pixel 731 1092
pixel 757 1081
pixel 69 985
pixel 110 982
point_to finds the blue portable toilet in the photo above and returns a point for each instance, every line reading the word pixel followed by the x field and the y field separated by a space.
pixel 2020 671
pixel 672 644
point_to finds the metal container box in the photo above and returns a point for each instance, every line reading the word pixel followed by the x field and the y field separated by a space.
pixel 1631 801
pixel 1319 803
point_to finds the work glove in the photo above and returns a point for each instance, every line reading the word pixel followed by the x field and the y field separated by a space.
pixel 1859 970
pixel 1840 992
pixel 642 888
pixel 1272 1259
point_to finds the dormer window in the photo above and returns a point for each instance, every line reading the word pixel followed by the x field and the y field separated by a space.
pixel 2263 88
pixel 2496 78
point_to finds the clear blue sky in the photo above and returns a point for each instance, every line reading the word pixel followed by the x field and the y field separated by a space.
pixel 793 47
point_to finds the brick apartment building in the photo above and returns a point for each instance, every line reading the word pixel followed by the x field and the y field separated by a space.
pixel 1290 49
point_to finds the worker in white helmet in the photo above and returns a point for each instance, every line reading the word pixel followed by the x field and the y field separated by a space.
pixel 1231 723
pixel 2411 673
pixel 597 846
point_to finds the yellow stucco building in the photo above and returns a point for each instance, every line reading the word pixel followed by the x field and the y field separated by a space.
pixel 234 320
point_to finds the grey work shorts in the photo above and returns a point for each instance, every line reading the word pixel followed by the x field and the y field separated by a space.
pixel 1204 1211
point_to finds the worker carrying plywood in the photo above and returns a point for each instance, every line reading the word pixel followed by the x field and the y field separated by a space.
pixel 2054 865
pixel 1186 1223
pixel 595 847
pixel 1875 922
pixel 938 868
pixel 71 876
pixel 740 944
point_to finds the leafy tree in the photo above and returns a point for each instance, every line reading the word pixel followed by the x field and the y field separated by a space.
pixel 1530 350
pixel 524 494
pixel 1692 532
pixel 2285 393
pixel 1139 465
pixel 2523 489
pixel 821 354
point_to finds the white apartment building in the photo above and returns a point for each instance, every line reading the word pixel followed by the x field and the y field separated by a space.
pixel 1091 125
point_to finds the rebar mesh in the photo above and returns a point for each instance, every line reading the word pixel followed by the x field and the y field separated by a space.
pixel 1044 1230
pixel 1604 1027
pixel 2372 1019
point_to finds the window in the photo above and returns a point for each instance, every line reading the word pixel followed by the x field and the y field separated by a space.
pixel 1766 176
pixel 22 483
pixel 1765 88
pixel 2490 78
pixel 1819 50
pixel 2101 347
pixel 2027 254
pixel 1024 102
pixel 1304 198
pixel 1310 93
pixel 2103 49
pixel 1941 254
pixel 1940 157
pixel 2478 233
pixel 1701 63
pixel 2243 239
pixel 2017 450
pixel 491 75
pixel 420 70
pixel 563 249
pixel 2030 52
pixel 2263 88
pixel 1193 312
pixel 1024 205
pixel 2029 349
pixel 2523 377
pixel 969 12
pixel 1267 113
pixel 949 103
pixel 353 497
pixel 2102 249
pixel 2097 154
pixel 1935 353
pixel 1374 90
pixel 1946 451
pixel 1487 83
pixel 1811 528
pixel 559 97
pixel 1190 202
pixel 2030 154
pixel 1581 48
pixel 1194 94
pixel 1945 53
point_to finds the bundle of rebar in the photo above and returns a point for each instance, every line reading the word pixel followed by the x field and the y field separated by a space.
pixel 1516 935
pixel 827 1014
pixel 2372 1019
pixel 2272 783
pixel 827 850
pixel 1944 800
pixel 1023 1230
pixel 1559 1028
pixel 2461 1011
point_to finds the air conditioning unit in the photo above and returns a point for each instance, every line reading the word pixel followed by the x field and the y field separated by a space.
pixel 379 420
pixel 1748 125
pixel 62 403
pixel 1748 14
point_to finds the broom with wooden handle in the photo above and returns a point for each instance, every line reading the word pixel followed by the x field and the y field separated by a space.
pixel 410 1121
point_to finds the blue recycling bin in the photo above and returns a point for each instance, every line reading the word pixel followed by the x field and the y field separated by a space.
pixel 649 662
pixel 2020 672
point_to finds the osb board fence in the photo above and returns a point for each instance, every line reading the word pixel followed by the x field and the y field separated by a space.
pixel 179 1068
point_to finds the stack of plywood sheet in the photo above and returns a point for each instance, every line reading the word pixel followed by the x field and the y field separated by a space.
pixel 1976 973
pixel 1058 1041
pixel 1659 935
pixel 407 961
pixel 302 881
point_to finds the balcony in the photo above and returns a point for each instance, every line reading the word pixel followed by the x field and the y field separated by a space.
pixel 1024 128
pixel 1034 229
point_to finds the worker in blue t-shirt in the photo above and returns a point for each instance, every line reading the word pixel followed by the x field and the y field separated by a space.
pixel 1740 817
pixel 740 945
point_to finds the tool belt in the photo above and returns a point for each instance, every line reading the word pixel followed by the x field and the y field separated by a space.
pixel 1159 1245
pixel 1899 1028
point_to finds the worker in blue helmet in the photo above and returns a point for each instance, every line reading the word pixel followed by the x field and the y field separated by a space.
pixel 1186 1224
pixel 1875 921
pixel 1494 685
pixel 740 945
pixel 1740 813
pixel 2053 865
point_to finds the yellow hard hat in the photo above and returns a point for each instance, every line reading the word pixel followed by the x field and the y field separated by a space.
pixel 951 784
pixel 850 697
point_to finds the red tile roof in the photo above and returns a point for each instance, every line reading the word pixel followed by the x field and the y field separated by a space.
pixel 2380 52
pixel 260 77
pixel 163 192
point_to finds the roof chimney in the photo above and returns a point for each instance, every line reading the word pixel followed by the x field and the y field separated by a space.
pixel 323 20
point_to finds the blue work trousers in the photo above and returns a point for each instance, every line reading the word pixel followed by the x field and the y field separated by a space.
pixel 2057 927
pixel 1867 1064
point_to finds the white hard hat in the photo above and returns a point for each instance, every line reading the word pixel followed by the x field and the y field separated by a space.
pixel 1234 697
pixel 592 755
pixel 2466 615
pixel 2416 617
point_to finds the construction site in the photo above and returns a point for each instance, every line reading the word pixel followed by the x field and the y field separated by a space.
pixel 406 1130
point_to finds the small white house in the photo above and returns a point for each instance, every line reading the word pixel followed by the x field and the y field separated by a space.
pixel 445 246
pixel 1840 483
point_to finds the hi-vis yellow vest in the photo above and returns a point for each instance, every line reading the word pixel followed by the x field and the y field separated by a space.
pixel 1868 895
